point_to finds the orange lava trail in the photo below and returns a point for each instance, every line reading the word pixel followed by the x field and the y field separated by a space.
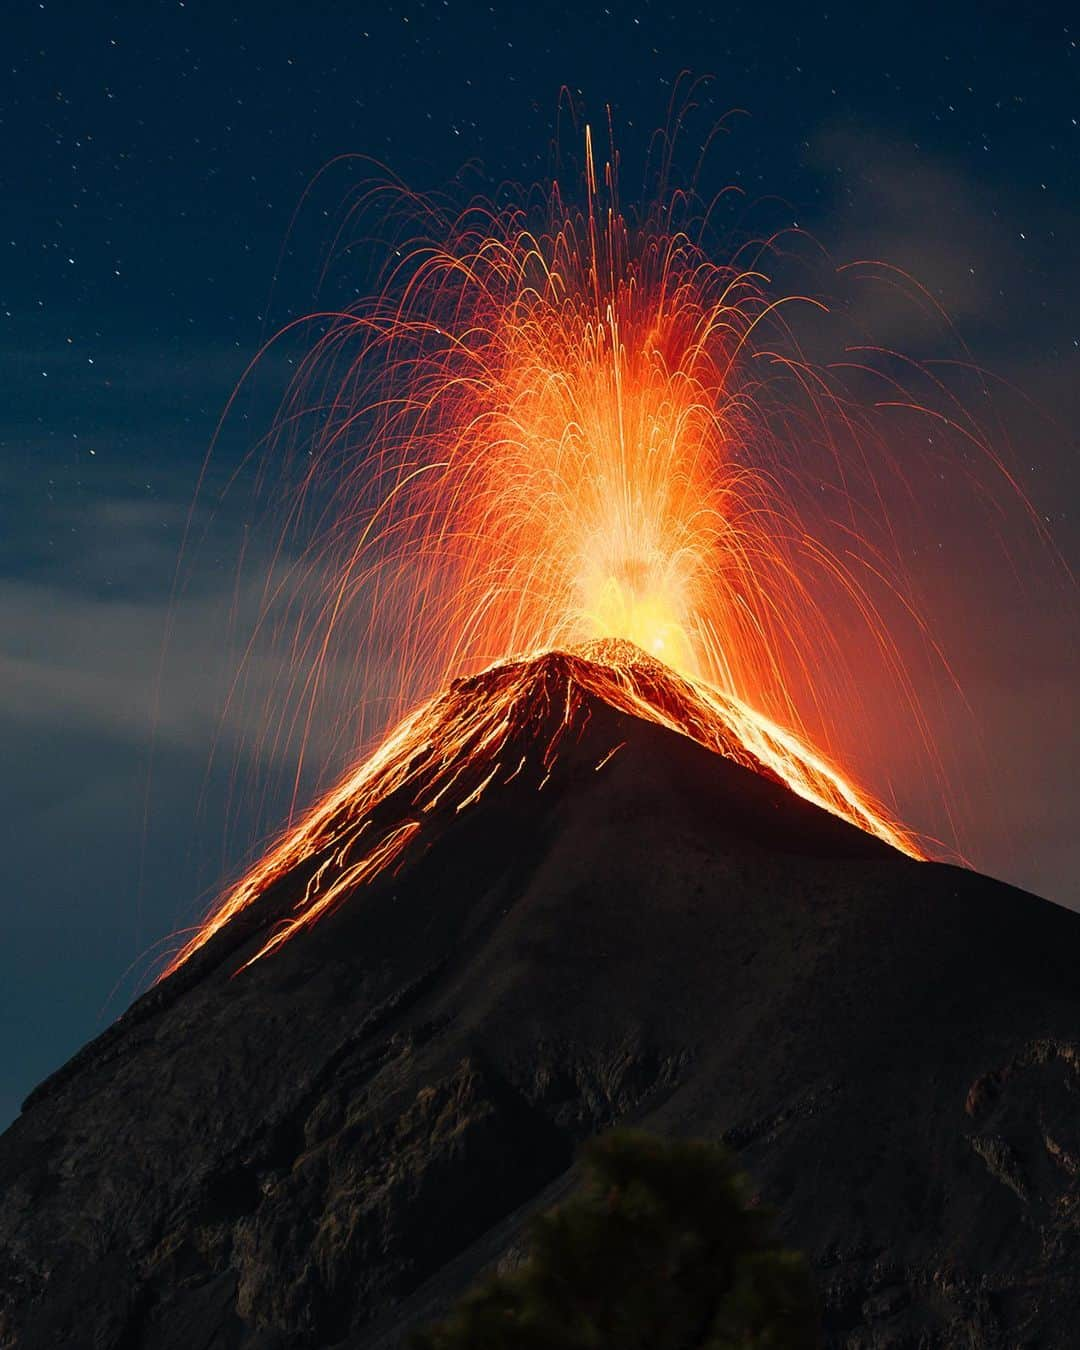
pixel 453 748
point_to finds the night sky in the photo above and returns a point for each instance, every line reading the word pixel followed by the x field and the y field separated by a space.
pixel 152 158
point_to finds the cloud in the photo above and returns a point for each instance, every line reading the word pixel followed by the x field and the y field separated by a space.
pixel 91 663
pixel 107 849
pixel 973 250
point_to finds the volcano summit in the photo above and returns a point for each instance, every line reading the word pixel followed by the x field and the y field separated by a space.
pixel 570 891
pixel 514 721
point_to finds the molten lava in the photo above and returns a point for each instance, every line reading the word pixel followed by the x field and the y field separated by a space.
pixel 509 723
pixel 543 433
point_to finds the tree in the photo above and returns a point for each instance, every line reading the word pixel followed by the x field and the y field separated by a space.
pixel 660 1250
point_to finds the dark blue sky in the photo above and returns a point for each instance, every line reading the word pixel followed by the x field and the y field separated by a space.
pixel 152 157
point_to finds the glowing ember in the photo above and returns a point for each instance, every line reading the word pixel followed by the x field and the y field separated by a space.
pixel 538 438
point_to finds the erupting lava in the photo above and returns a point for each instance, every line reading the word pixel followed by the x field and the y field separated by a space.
pixel 539 437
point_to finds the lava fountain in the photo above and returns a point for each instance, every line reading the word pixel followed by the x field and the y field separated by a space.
pixel 547 433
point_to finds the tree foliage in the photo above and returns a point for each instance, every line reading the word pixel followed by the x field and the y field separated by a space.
pixel 659 1251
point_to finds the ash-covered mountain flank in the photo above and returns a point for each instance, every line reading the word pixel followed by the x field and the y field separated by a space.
pixel 323 1146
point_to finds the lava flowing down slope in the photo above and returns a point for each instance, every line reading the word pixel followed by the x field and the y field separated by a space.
pixel 508 722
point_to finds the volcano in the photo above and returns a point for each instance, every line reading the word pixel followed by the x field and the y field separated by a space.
pixel 570 893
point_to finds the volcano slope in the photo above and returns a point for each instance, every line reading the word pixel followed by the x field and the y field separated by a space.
pixel 324 1148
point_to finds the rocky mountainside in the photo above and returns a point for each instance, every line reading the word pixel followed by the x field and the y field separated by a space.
pixel 325 1146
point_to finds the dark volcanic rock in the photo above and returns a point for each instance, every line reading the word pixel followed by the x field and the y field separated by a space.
pixel 330 1145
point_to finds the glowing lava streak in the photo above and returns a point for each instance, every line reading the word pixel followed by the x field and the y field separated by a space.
pixel 507 723
pixel 539 437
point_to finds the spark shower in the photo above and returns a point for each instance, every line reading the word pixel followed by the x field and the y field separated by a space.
pixel 562 426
